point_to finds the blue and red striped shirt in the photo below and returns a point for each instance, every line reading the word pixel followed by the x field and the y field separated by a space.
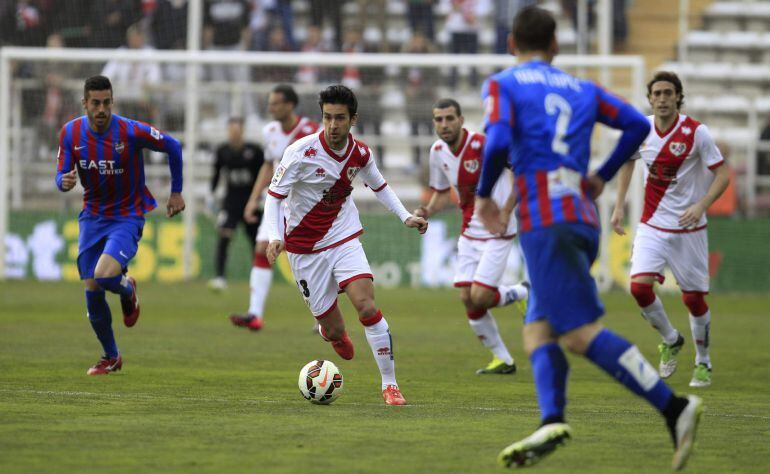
pixel 111 164
pixel 539 120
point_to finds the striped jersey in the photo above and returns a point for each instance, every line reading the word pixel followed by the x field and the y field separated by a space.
pixel 111 164
pixel 462 170
pixel 276 139
pixel 551 116
pixel 316 182
pixel 677 171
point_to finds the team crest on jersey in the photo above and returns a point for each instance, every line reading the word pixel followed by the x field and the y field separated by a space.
pixel 119 147
pixel 320 172
pixel 471 166
pixel 248 154
pixel 475 145
pixel 686 130
pixel 677 148
pixel 352 172
pixel 310 152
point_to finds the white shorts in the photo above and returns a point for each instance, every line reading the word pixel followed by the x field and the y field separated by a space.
pixel 685 253
pixel 321 276
pixel 481 261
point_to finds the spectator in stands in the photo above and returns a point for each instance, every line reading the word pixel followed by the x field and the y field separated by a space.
pixel 70 20
pixel 265 15
pixel 619 19
pixel 763 153
pixel 225 28
pixel 59 104
pixel 276 42
pixel 463 26
pixel 169 24
pixel 331 9
pixel 375 11
pixel 314 43
pixel 366 83
pixel 420 15
pixel 505 11
pixel 21 24
pixel 111 18
pixel 133 78
pixel 420 91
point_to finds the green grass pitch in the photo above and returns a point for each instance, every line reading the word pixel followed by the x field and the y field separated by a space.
pixel 198 395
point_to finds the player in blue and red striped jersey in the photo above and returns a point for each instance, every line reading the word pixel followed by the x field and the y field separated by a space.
pixel 539 120
pixel 104 151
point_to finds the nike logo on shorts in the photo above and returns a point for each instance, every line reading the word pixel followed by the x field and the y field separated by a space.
pixel 122 254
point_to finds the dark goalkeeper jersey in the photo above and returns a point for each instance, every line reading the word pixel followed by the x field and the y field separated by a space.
pixel 240 167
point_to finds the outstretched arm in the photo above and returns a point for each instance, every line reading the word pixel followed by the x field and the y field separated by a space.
pixel 438 201
pixel 263 180
pixel 624 180
pixel 373 178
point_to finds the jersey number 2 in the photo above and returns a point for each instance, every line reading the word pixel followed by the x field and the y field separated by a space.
pixel 556 104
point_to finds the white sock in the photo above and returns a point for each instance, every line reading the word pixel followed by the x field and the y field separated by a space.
pixel 378 337
pixel 656 316
pixel 486 329
pixel 701 328
pixel 259 286
pixel 511 294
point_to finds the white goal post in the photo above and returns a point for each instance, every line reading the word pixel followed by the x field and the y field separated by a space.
pixel 606 69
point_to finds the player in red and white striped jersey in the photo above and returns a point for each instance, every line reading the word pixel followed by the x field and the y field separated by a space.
pixel 455 161
pixel 285 128
pixel 322 226
pixel 685 173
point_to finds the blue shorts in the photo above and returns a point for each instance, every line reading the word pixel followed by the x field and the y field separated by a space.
pixel 118 238
pixel 559 260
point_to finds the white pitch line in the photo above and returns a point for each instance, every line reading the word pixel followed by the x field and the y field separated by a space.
pixel 145 396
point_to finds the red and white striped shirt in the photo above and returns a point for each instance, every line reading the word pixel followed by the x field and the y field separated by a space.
pixel 462 171
pixel 678 172
pixel 317 183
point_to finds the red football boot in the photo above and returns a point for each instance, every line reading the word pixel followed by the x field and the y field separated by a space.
pixel 343 347
pixel 130 306
pixel 105 366
pixel 247 321
pixel 392 396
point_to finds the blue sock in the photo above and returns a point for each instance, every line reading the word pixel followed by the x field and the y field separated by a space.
pixel 117 284
pixel 620 359
pixel 101 320
pixel 550 368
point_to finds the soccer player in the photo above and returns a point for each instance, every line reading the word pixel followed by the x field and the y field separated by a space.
pixel 240 161
pixel 684 175
pixel 104 151
pixel 286 128
pixel 540 119
pixel 455 161
pixel 322 228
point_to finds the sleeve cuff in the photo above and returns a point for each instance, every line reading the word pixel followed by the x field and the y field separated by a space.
pixel 716 165
pixel 275 195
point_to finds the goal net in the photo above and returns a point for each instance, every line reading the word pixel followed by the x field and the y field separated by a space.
pixel 191 95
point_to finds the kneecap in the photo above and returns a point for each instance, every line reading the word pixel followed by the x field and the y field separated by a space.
pixel 695 302
pixel 643 294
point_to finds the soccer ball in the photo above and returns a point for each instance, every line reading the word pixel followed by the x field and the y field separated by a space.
pixel 320 381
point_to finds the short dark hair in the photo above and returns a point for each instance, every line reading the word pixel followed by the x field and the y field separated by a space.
pixel 96 83
pixel 447 102
pixel 668 76
pixel 289 94
pixel 338 94
pixel 533 29
pixel 235 119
